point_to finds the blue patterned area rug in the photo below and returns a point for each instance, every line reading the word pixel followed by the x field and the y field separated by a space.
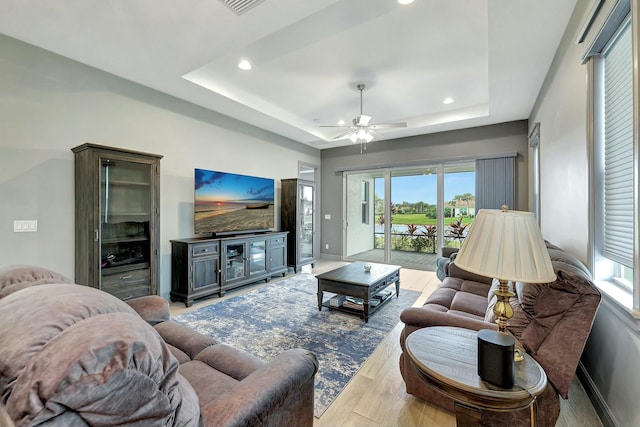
pixel 266 321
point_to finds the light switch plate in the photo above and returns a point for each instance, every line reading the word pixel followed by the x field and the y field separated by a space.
pixel 25 226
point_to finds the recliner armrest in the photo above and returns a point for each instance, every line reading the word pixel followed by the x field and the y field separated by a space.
pixel 448 251
pixel 279 393
pixel 152 308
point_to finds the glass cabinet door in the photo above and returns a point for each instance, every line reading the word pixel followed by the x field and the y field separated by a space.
pixel 307 194
pixel 125 215
pixel 235 260
pixel 257 256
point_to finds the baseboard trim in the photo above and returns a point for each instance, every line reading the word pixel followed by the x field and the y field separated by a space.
pixel 331 257
pixel 599 404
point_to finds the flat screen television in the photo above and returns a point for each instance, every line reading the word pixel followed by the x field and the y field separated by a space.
pixel 228 203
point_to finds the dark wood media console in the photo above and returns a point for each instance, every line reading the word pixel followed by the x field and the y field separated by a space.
pixel 201 267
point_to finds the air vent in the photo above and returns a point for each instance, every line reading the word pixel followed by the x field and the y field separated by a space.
pixel 241 6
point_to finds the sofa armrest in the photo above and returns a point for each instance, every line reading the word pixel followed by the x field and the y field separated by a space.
pixel 448 251
pixel 185 339
pixel 152 308
pixel 423 317
pixel 230 361
pixel 276 394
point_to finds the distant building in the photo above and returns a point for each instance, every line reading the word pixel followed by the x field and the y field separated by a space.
pixel 465 210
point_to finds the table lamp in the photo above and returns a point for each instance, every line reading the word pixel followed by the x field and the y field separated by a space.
pixel 506 245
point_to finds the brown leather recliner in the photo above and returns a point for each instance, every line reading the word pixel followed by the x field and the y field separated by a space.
pixel 551 321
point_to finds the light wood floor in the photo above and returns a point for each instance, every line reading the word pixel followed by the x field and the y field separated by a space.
pixel 376 396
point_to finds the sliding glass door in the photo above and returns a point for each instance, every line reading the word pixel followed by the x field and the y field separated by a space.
pixel 459 202
pixel 364 234
pixel 414 214
pixel 403 216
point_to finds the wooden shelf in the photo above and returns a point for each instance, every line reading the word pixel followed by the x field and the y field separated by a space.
pixel 372 308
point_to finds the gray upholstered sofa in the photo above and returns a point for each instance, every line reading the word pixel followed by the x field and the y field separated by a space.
pixel 551 321
pixel 72 355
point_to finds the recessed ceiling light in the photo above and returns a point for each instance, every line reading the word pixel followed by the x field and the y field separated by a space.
pixel 405 1
pixel 341 122
pixel 244 65
pixel 447 100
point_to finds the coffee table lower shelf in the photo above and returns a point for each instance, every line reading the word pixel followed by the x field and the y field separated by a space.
pixel 355 311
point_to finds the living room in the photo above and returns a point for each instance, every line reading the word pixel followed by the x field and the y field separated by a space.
pixel 50 104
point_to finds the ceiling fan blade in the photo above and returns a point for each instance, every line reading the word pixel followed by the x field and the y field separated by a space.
pixel 362 120
pixel 388 125
pixel 342 135
pixel 335 126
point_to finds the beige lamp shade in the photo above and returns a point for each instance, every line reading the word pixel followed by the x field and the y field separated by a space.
pixel 506 245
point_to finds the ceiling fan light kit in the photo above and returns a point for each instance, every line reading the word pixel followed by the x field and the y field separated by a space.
pixel 362 130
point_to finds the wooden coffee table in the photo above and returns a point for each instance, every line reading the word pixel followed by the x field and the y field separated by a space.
pixel 353 280
pixel 447 357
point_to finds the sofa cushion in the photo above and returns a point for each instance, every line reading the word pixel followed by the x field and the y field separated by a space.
pixel 208 383
pixel 459 295
pixel 76 356
pixel 95 368
pixel 547 303
pixel 14 278
pixel 45 312
pixel 469 303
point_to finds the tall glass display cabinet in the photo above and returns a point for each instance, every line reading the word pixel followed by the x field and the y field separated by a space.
pixel 297 212
pixel 117 196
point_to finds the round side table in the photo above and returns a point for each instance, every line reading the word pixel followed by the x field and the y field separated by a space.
pixel 447 358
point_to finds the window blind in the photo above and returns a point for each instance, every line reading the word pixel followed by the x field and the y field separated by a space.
pixel 495 183
pixel 618 149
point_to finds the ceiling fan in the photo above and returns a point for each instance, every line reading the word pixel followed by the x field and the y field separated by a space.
pixel 362 130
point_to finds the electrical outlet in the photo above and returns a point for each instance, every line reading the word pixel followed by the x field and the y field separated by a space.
pixel 326 246
pixel 25 226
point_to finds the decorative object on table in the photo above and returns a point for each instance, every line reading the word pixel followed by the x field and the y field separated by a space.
pixel 367 268
pixel 289 316
pixel 508 246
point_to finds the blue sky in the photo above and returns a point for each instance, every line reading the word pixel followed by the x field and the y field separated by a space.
pixel 225 187
pixel 418 188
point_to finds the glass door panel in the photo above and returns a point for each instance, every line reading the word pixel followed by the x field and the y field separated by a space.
pixel 414 213
pixel 307 195
pixel 257 256
pixel 125 215
pixel 459 202
pixel 235 260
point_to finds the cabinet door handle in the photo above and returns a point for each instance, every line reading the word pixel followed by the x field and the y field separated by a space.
pixel 128 276
pixel 96 235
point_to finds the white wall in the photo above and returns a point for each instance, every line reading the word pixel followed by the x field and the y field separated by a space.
pixel 609 365
pixel 561 112
pixel 49 104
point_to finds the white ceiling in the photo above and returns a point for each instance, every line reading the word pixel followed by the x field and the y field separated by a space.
pixel 491 56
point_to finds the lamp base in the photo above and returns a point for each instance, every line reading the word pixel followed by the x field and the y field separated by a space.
pixel 495 358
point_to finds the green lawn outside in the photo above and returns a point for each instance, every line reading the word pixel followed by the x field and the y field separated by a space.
pixel 421 219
